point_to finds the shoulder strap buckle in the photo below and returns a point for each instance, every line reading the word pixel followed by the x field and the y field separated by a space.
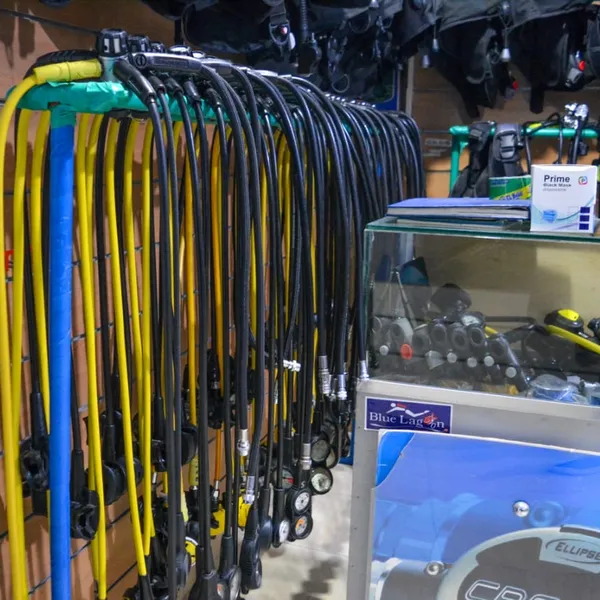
pixel 279 25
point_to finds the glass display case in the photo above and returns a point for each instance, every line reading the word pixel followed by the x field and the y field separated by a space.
pixel 480 426
pixel 484 309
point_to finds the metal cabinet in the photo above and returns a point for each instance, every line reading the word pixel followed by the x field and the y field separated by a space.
pixel 477 441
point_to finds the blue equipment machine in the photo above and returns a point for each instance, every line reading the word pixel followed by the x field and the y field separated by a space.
pixel 440 497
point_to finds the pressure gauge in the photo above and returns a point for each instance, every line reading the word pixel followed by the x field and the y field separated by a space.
pixel 321 480
pixel 332 459
pixel 235 584
pixel 283 532
pixel 301 501
pixel 302 526
pixel 287 478
pixel 320 450
pixel 229 587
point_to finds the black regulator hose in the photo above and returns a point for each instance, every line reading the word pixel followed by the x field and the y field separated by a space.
pixel 242 263
pixel 206 580
pixel 264 498
pixel 249 557
pixel 284 117
pixel 227 560
pixel 200 196
pixel 113 470
pixel 133 79
pixel 334 131
pixel 172 351
pixel 280 522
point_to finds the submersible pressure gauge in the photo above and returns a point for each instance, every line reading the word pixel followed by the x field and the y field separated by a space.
pixel 298 509
pixel 321 480
pixel 332 459
pixel 300 501
pixel 555 563
pixel 229 587
pixel 288 478
pixel 283 531
pixel 323 443
pixel 301 527
pixel 320 450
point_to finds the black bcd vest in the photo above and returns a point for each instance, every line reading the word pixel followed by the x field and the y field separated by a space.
pixel 550 50
pixel 490 155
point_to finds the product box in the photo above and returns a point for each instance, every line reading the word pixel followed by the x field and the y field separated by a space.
pixel 563 198
pixel 510 188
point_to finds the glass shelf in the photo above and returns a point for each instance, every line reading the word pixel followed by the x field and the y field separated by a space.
pixel 513 231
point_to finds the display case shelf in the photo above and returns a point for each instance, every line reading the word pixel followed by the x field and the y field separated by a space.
pixel 516 231
pixel 486 308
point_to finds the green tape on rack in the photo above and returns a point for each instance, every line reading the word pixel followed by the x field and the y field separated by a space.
pixel 94 97
pixel 99 97
pixel 60 117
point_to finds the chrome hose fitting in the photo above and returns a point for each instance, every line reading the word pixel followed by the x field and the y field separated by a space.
pixel 305 461
pixel 323 376
pixel 363 371
pixel 243 445
pixel 341 394
pixel 249 495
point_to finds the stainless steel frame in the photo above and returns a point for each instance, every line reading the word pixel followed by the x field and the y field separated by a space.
pixel 474 414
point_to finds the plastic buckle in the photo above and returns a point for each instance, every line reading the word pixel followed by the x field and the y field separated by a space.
pixel 280 33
